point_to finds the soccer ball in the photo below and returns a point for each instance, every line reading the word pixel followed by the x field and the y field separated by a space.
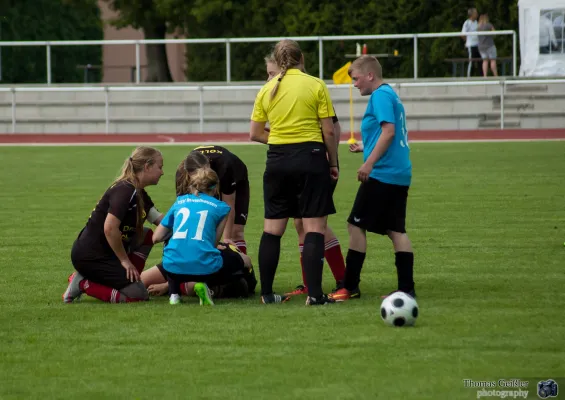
pixel 399 309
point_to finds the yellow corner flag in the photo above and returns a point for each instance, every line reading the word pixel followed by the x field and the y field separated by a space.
pixel 341 76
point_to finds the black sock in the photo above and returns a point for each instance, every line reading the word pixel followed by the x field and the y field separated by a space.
pixel 313 260
pixel 269 252
pixel 405 270
pixel 174 284
pixel 353 264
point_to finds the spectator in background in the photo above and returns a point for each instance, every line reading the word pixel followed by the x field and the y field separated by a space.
pixel 487 47
pixel 471 41
pixel 547 40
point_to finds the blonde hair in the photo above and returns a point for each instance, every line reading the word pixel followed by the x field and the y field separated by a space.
pixel 132 166
pixel 366 64
pixel 270 59
pixel 204 180
pixel 187 166
pixel 287 55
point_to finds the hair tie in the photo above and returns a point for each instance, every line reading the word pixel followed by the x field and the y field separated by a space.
pixel 212 187
pixel 131 159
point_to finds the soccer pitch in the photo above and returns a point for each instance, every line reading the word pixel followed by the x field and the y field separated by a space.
pixel 487 221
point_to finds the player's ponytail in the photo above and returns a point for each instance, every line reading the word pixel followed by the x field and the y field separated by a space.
pixel 194 161
pixel 204 180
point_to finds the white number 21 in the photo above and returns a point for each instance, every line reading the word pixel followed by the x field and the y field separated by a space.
pixel 185 213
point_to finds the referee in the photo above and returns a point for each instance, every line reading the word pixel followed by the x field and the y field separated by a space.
pixel 301 163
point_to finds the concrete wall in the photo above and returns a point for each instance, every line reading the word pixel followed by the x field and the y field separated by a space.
pixel 229 110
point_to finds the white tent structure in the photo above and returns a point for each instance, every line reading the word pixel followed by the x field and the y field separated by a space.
pixel 542 37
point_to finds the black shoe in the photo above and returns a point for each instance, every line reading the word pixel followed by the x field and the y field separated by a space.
pixel 274 298
pixel 319 301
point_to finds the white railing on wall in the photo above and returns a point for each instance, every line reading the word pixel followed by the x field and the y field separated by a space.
pixel 201 89
pixel 228 41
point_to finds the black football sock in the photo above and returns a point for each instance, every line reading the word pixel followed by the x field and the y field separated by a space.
pixel 405 270
pixel 269 252
pixel 353 265
pixel 313 260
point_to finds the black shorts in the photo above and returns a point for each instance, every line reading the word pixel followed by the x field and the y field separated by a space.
pixel 241 202
pixel 297 182
pixel 380 207
pixel 232 269
pixel 107 271
pixel 334 182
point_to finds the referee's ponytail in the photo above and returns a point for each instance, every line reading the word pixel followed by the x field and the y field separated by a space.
pixel 287 55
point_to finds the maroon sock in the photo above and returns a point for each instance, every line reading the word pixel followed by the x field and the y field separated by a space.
pixel 242 246
pixel 335 259
pixel 104 293
pixel 301 247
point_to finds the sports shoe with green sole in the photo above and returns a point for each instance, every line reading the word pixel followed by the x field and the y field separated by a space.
pixel 204 294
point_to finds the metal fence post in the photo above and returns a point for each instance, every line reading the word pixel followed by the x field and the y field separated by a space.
pixel 502 87
pixel 107 109
pixel 137 63
pixel 228 61
pixel 13 110
pixel 514 55
pixel 321 57
pixel 201 108
pixel 415 56
pixel 48 50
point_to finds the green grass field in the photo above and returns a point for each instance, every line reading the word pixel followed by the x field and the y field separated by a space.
pixel 487 221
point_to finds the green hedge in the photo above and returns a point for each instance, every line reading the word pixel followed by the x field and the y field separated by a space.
pixel 37 20
pixel 270 18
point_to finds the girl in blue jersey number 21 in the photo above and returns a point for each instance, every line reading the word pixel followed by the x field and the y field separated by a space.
pixel 193 228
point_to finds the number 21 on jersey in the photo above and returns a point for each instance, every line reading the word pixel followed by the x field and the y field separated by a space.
pixel 182 231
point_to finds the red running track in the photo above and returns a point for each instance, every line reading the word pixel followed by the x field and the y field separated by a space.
pixel 480 135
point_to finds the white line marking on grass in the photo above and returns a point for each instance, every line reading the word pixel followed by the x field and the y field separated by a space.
pixel 230 143
pixel 167 138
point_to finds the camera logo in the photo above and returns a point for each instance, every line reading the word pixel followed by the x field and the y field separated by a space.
pixel 547 389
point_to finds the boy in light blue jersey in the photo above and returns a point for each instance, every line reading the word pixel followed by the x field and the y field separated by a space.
pixel 193 228
pixel 385 176
pixel 394 165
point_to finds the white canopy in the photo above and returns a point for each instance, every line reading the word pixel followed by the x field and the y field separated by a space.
pixel 542 37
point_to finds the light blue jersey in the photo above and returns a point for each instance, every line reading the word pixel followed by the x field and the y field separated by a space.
pixel 191 249
pixel 394 166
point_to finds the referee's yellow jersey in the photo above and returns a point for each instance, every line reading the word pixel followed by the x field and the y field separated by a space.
pixel 294 114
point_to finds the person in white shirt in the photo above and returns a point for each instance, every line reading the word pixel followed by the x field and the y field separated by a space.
pixel 547 40
pixel 472 41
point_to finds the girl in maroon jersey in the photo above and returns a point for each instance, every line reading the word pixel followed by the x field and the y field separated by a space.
pixel 110 251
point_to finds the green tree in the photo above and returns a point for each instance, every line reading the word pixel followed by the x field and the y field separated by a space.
pixel 43 20
pixel 270 18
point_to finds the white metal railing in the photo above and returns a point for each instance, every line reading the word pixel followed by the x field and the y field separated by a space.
pixel 228 41
pixel 202 89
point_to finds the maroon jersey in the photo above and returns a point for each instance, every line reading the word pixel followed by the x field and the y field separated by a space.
pixel 120 201
pixel 229 168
